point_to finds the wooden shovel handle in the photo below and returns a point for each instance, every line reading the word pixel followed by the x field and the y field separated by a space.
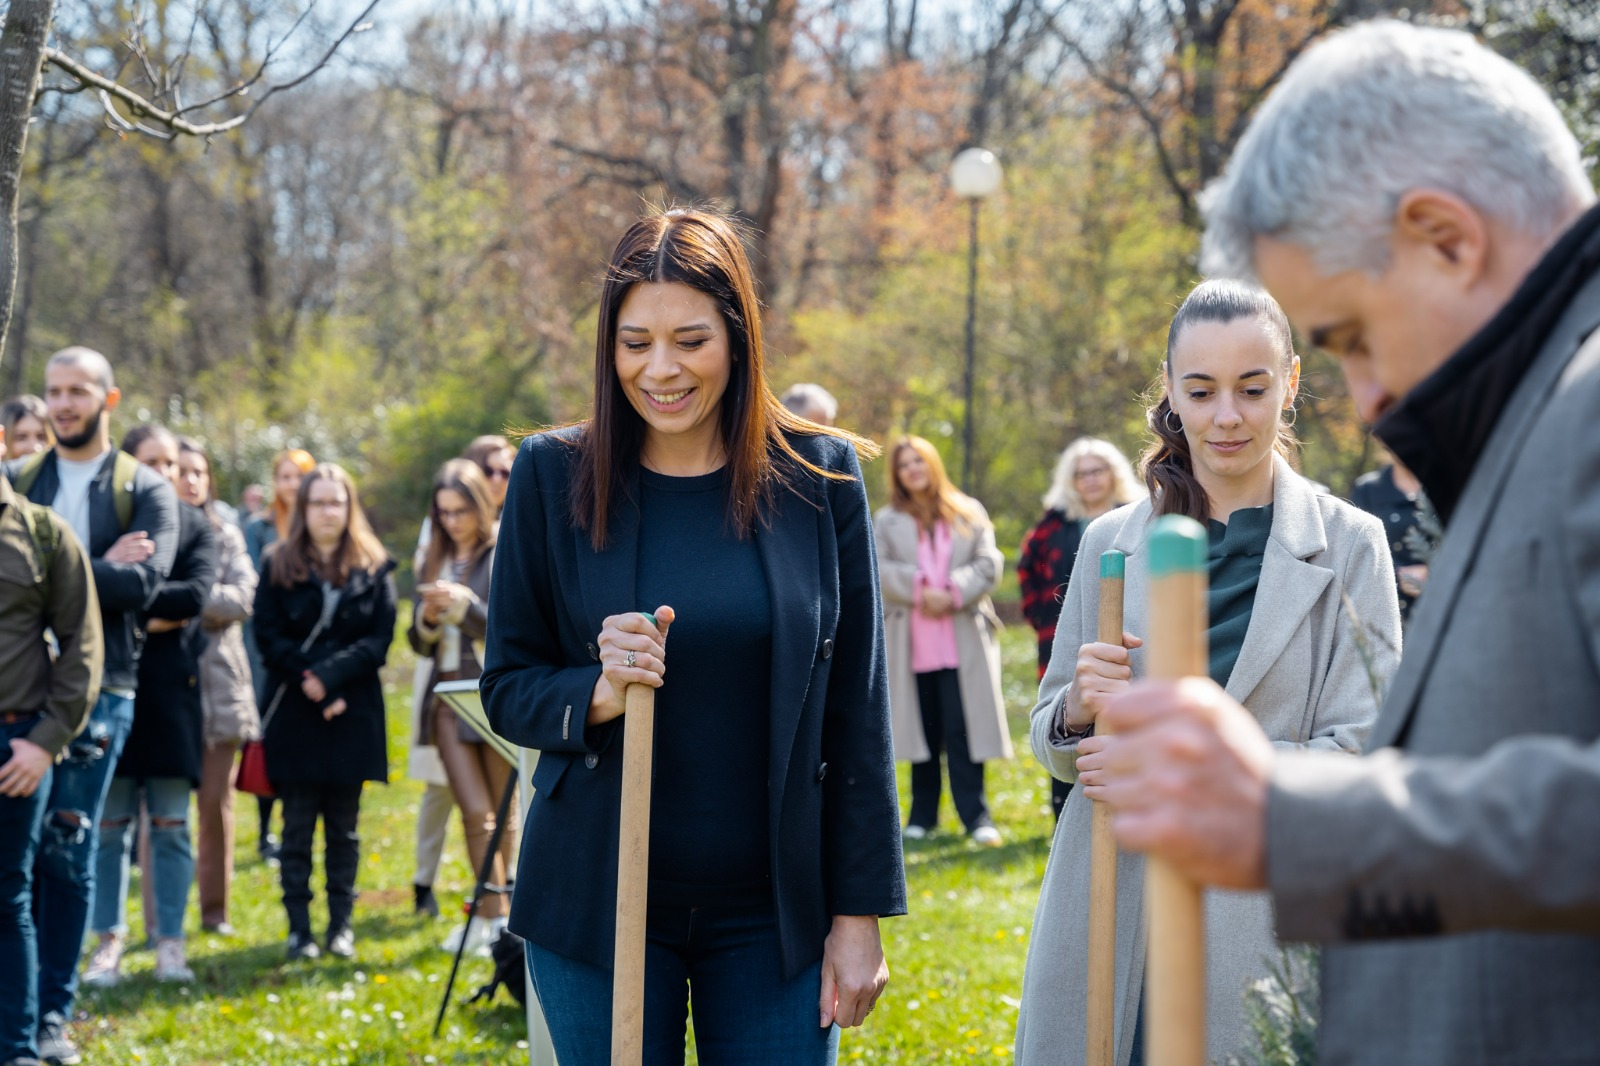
pixel 1175 972
pixel 633 875
pixel 1100 1020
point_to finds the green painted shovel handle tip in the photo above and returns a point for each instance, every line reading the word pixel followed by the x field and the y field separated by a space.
pixel 652 618
pixel 1177 546
pixel 1113 564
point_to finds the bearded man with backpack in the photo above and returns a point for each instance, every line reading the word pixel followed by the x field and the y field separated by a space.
pixel 127 516
pixel 45 584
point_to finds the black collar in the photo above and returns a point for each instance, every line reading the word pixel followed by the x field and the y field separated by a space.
pixel 1440 428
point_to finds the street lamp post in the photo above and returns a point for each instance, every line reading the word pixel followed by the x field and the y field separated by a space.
pixel 974 176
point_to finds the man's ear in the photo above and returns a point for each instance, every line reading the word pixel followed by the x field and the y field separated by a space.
pixel 113 397
pixel 1445 230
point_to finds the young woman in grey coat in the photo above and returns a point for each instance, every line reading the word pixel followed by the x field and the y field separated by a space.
pixel 1304 627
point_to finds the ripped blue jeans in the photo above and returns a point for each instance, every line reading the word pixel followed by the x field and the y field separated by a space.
pixel 64 870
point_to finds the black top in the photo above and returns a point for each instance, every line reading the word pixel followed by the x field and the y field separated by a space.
pixel 709 841
pixel 1235 571
pixel 1377 494
pixel 167 738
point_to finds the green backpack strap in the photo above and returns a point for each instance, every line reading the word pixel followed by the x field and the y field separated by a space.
pixel 123 469
pixel 46 539
pixel 28 473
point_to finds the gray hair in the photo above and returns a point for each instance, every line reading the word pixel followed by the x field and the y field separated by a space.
pixel 1371 113
pixel 1064 496
pixel 88 359
pixel 811 401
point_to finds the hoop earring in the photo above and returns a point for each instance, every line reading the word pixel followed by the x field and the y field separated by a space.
pixel 1294 416
pixel 1166 420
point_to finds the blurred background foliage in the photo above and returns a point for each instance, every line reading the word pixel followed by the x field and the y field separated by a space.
pixel 405 251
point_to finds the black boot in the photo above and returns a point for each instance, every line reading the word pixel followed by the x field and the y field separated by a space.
pixel 425 903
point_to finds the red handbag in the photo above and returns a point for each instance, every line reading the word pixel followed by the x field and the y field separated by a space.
pixel 252 777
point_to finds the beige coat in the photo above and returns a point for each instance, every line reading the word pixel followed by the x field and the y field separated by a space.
pixel 227 694
pixel 1301 672
pixel 975 567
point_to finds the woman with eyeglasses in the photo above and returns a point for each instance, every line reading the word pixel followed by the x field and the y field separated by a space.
pixel 325 617
pixel 448 622
pixel 492 454
pixel 1091 478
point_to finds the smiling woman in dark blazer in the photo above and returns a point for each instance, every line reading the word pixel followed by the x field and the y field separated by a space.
pixel 774 822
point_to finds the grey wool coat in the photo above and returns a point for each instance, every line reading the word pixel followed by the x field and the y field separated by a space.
pixel 975 567
pixel 1454 875
pixel 1303 671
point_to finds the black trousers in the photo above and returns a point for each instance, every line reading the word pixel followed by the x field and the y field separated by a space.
pixel 339 807
pixel 945 727
pixel 1059 789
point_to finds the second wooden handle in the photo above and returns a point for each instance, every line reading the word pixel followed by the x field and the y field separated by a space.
pixel 1100 1004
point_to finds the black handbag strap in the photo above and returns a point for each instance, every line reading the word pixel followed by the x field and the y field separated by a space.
pixel 272 708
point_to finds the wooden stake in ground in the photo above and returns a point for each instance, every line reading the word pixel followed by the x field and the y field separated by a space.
pixel 633 875
pixel 1101 1002
pixel 1175 970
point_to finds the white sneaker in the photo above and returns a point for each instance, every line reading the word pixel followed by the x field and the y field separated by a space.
pixel 914 832
pixel 486 951
pixel 477 936
pixel 105 965
pixel 987 835
pixel 171 965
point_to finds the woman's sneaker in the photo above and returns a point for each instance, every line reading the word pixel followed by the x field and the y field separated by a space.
pixel 105 965
pixel 986 835
pixel 477 935
pixel 171 965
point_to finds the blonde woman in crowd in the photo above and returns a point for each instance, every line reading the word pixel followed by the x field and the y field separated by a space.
pixel 1090 478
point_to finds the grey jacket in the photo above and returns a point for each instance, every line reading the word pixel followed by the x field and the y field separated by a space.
pixel 1455 873
pixel 227 693
pixel 1306 671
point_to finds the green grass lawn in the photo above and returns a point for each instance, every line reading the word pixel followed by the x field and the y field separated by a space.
pixel 956 959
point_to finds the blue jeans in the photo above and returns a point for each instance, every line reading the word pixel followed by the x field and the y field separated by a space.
pixel 171 855
pixel 20 819
pixel 64 870
pixel 726 960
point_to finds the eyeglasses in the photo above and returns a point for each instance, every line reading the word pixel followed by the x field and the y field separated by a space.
pixel 498 474
pixel 454 514
pixel 1093 471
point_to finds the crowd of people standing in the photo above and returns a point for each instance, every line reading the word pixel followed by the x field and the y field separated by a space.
pixel 816 643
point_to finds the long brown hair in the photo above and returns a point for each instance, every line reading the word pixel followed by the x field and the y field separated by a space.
pixel 703 250
pixel 1167 465
pixel 462 476
pixel 294 559
pixel 941 501
pixel 304 463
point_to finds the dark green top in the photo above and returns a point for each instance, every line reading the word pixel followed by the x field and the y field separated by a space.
pixel 1235 571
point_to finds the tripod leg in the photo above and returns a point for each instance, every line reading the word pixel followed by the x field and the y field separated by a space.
pixel 484 870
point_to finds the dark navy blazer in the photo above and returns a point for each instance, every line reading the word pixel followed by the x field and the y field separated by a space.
pixel 832 810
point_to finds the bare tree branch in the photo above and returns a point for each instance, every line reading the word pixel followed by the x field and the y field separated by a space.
pixel 148 115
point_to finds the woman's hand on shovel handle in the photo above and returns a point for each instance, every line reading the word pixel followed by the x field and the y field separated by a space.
pixel 621 635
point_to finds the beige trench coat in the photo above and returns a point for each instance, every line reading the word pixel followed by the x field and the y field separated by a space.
pixel 975 567
pixel 227 694
pixel 1303 676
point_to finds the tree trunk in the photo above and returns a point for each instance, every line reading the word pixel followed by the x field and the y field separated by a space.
pixel 21 53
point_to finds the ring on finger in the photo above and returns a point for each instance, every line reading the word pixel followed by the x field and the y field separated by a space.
pixel 628 662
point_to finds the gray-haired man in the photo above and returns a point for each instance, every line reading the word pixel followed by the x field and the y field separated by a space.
pixel 1420 210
